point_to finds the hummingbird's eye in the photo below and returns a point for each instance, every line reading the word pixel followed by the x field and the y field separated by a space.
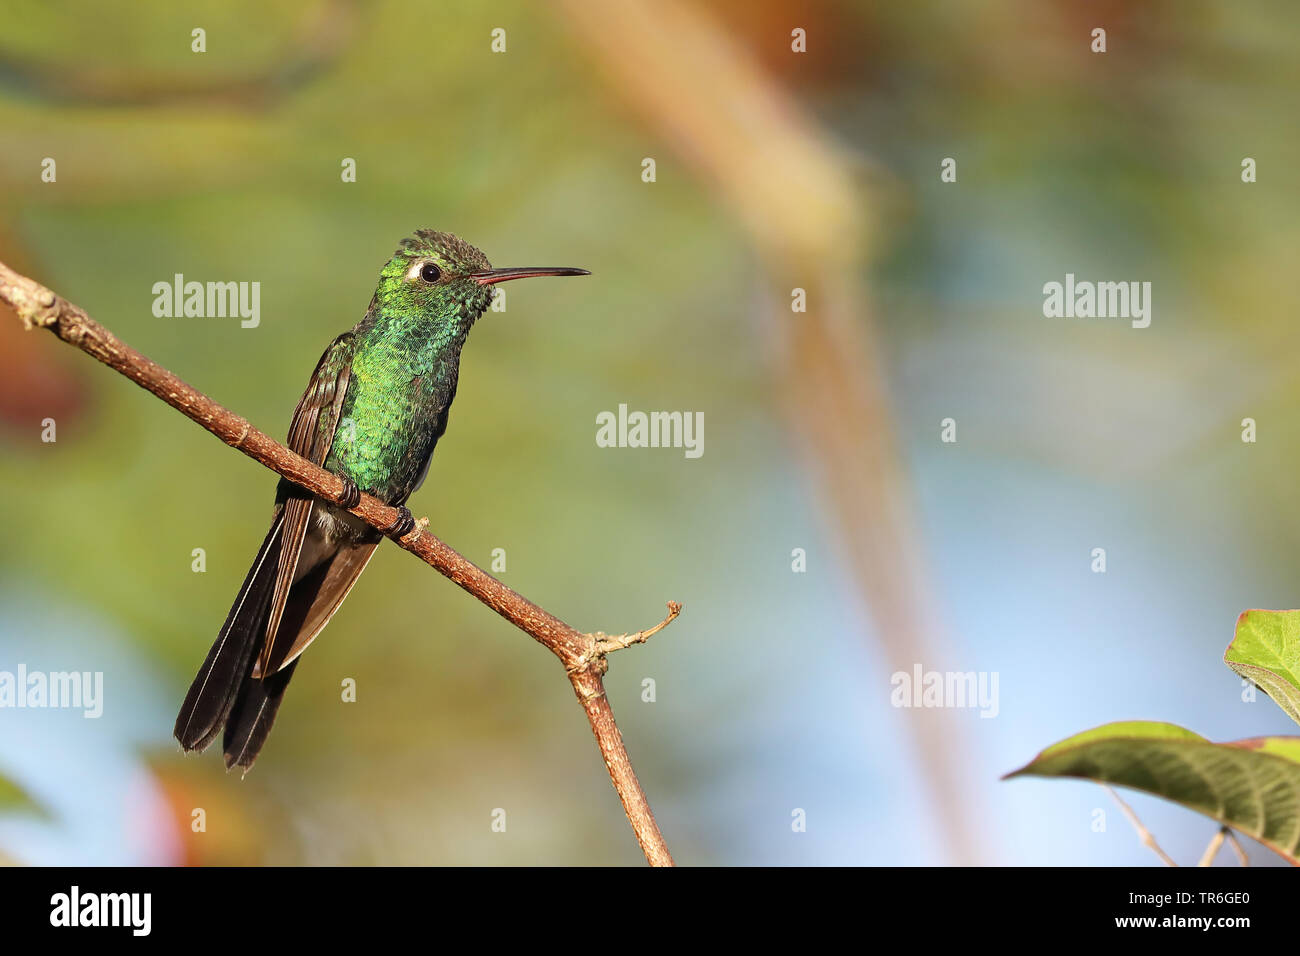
pixel 430 272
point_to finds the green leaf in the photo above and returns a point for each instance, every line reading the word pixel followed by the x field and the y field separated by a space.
pixel 1266 649
pixel 1251 785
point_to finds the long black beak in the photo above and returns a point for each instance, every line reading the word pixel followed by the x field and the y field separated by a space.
pixel 491 276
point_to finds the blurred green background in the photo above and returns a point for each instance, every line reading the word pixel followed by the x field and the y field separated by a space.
pixel 820 170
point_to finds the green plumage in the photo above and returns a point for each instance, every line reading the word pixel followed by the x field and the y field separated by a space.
pixel 405 359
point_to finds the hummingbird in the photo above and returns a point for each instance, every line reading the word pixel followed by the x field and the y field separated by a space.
pixel 372 414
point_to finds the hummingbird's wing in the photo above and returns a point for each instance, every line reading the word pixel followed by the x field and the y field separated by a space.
pixel 311 433
pixel 225 693
pixel 286 599
pixel 312 575
pixel 317 595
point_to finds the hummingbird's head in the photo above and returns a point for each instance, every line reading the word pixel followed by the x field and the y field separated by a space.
pixel 441 274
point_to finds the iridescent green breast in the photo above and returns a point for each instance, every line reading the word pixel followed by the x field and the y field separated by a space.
pixel 402 381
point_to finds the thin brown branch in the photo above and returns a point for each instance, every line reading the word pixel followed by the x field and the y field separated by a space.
pixel 583 655
pixel 607 644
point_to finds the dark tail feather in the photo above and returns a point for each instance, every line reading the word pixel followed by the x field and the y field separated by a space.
pixel 258 698
pixel 253 714
pixel 214 690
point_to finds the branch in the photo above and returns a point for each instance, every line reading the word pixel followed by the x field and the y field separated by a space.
pixel 583 655
pixel 1143 833
pixel 1211 851
pixel 1238 849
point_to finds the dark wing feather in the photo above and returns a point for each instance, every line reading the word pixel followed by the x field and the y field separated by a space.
pixel 311 436
pixel 317 595
pixel 229 691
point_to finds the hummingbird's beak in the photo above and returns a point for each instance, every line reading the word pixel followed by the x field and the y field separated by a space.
pixel 492 276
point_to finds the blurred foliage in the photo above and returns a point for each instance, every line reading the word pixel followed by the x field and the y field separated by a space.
pixel 14 798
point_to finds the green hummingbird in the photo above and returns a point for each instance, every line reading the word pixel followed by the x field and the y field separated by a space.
pixel 372 413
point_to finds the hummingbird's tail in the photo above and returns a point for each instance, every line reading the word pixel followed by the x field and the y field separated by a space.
pixel 316 594
pixel 251 718
pixel 222 679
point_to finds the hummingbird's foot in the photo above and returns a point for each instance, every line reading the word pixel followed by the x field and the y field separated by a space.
pixel 402 524
pixel 351 493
